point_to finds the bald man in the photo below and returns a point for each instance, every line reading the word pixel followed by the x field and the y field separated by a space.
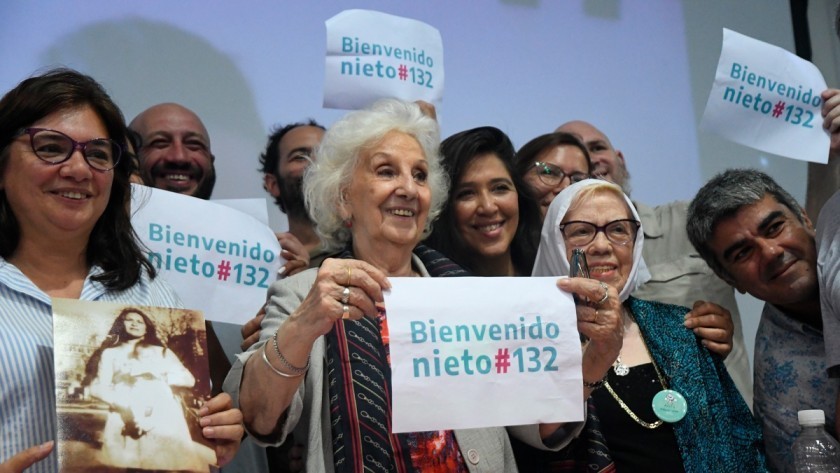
pixel 679 275
pixel 174 155
pixel 175 150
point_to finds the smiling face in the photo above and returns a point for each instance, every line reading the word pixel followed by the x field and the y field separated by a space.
pixel 135 326
pixel 175 153
pixel 768 253
pixel 570 160
pixel 608 262
pixel 607 162
pixel 295 153
pixel 388 198
pixel 486 207
pixel 57 200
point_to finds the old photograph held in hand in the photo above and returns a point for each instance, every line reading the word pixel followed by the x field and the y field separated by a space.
pixel 129 383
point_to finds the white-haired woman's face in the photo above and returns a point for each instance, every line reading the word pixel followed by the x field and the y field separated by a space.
pixel 135 326
pixel 610 254
pixel 388 199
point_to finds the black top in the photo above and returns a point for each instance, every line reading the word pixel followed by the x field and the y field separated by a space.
pixel 635 448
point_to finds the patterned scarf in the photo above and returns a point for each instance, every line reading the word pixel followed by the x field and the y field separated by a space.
pixel 359 376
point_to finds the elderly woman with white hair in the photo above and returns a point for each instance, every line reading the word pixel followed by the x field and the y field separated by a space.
pixel 321 368
pixel 663 402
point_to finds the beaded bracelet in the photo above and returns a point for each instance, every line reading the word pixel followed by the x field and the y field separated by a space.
pixel 294 369
pixel 596 384
pixel 280 373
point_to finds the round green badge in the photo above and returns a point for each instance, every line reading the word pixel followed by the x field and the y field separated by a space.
pixel 669 405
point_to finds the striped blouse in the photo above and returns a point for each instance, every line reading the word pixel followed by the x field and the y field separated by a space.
pixel 27 387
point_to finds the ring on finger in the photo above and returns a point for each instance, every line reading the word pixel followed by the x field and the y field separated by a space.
pixel 346 311
pixel 595 320
pixel 345 295
pixel 606 293
pixel 348 276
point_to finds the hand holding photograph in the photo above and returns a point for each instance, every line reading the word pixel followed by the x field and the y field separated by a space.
pixel 129 383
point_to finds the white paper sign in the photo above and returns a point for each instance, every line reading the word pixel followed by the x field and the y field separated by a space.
pixel 373 55
pixel 767 98
pixel 481 352
pixel 219 260
pixel 253 207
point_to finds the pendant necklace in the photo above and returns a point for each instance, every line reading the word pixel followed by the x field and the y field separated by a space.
pixel 620 368
pixel 668 404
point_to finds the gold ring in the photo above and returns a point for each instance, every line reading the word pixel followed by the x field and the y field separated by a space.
pixel 606 293
pixel 346 313
pixel 348 276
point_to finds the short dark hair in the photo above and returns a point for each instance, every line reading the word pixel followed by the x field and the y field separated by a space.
pixel 722 197
pixel 112 244
pixel 529 152
pixel 458 151
pixel 269 157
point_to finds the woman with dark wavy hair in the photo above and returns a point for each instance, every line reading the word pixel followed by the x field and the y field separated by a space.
pixel 65 231
pixel 490 223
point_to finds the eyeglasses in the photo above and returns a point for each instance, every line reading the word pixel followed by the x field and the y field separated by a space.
pixel 552 175
pixel 620 232
pixel 54 147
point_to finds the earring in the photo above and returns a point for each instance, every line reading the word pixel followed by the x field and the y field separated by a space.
pixel 347 223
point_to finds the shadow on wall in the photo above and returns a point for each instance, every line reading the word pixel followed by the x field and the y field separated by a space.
pixel 142 63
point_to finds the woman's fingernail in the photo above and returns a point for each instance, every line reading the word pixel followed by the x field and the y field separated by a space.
pixel 281 271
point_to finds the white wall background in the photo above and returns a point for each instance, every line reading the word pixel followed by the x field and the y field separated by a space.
pixel 639 70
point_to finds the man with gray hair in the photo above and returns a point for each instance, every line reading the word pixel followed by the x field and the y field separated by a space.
pixel 756 237
pixel 678 275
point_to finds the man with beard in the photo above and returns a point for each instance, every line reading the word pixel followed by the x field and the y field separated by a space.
pixel 289 152
pixel 175 150
pixel 174 155
pixel 678 274
pixel 755 236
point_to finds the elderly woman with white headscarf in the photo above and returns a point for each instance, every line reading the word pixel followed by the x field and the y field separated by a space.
pixel 662 402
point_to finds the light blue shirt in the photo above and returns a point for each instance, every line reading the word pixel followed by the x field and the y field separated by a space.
pixel 27 385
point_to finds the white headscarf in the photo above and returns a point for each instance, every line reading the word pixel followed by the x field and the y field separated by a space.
pixel 551 256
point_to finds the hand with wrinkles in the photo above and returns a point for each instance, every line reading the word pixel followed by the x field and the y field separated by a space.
pixel 602 324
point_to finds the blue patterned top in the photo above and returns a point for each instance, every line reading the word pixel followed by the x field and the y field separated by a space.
pixel 790 375
pixel 719 433
pixel 27 387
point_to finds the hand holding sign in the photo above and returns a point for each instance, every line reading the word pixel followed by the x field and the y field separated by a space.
pixel 767 98
pixel 831 117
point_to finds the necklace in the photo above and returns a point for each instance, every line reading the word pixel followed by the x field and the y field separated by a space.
pixel 667 404
pixel 625 408
pixel 620 368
